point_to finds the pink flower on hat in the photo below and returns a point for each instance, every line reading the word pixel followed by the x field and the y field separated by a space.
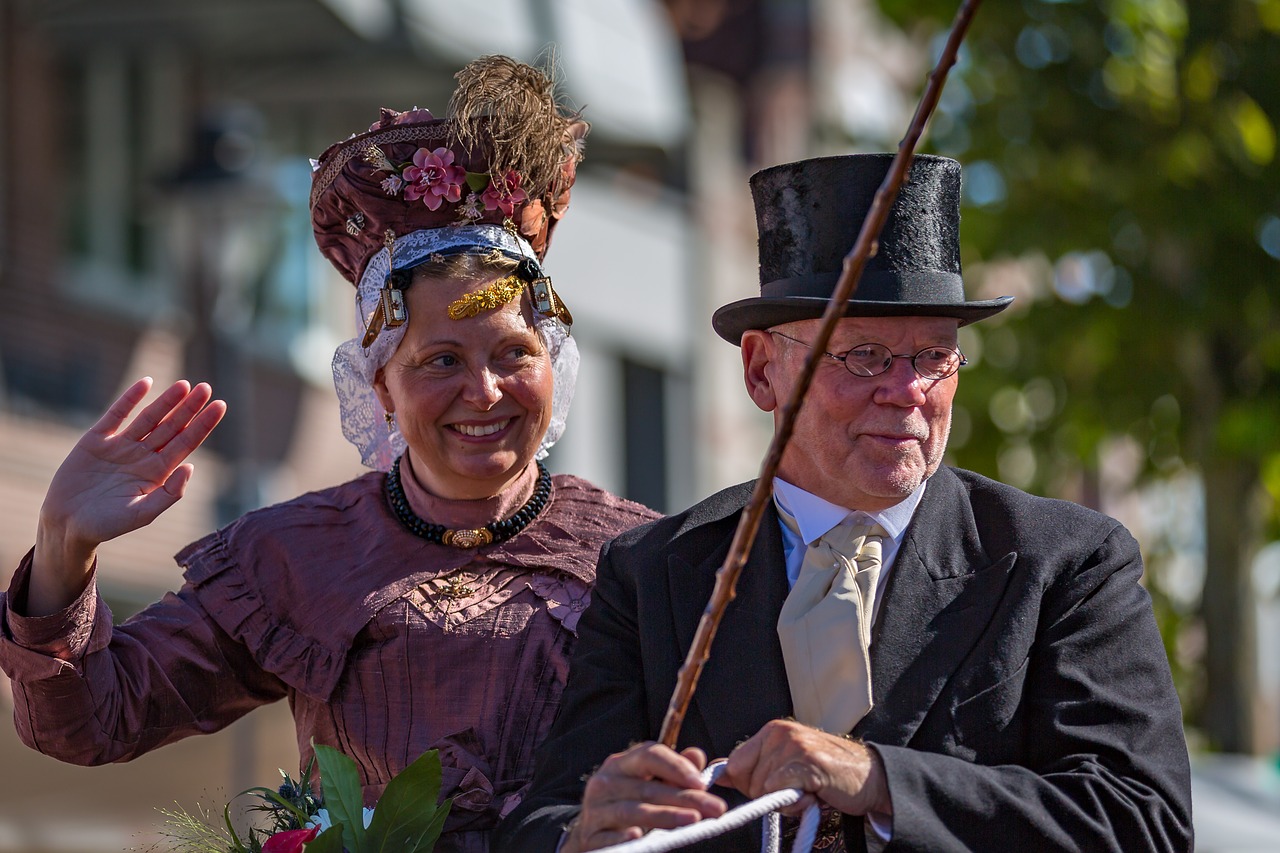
pixel 433 178
pixel 504 193
pixel 560 205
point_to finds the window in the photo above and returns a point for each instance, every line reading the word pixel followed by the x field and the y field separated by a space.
pixel 645 439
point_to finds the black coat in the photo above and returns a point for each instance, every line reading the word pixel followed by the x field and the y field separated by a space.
pixel 1023 699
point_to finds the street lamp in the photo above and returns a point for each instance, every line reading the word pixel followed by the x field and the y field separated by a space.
pixel 223 226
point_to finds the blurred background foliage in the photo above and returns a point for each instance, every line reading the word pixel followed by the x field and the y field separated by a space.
pixel 1121 175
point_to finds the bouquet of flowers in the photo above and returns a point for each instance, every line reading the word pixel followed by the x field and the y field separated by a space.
pixel 406 817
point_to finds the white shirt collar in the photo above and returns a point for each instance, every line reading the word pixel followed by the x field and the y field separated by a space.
pixel 814 516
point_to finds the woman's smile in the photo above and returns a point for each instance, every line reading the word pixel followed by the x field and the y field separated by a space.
pixel 480 430
pixel 471 396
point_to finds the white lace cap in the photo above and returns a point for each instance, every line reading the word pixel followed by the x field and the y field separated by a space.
pixel 363 418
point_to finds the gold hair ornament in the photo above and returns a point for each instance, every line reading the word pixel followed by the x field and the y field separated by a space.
pixel 487 298
pixel 390 310
pixel 546 302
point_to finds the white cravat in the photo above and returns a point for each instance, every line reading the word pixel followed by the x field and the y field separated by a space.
pixel 825 627
pixel 803 517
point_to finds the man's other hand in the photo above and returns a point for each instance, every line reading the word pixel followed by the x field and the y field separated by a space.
pixel 844 774
pixel 649 786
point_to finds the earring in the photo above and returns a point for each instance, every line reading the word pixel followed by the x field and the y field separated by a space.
pixel 390 418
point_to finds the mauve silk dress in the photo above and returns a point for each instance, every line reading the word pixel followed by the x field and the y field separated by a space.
pixel 384 644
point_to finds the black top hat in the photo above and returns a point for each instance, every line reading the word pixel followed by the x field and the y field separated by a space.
pixel 808 215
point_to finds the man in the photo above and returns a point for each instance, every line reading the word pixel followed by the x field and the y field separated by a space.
pixel 943 662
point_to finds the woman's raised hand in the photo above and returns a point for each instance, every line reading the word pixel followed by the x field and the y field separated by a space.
pixel 119 477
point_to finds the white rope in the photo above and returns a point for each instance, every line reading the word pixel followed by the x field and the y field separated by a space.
pixel 808 831
pixel 663 840
pixel 772 833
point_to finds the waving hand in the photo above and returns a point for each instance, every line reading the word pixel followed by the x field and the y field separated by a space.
pixel 118 477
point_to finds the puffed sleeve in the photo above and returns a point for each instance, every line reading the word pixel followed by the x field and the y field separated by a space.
pixel 89 693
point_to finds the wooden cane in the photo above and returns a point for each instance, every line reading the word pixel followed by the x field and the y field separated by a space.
pixel 865 246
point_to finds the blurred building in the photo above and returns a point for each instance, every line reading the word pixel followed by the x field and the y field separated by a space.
pixel 153 220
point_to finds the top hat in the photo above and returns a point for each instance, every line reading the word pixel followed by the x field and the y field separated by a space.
pixel 808 215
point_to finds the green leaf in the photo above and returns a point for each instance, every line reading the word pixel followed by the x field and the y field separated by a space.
pixel 428 841
pixel 407 818
pixel 343 795
pixel 329 841
pixel 477 181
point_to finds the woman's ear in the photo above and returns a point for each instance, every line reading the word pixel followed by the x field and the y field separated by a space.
pixel 380 388
pixel 758 354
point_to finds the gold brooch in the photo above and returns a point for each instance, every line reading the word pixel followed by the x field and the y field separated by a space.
pixel 467 538
pixel 457 587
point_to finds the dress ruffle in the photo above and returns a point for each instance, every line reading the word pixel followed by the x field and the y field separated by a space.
pixel 250 578
pixel 231 597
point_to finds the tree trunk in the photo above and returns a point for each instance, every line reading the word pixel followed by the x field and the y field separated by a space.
pixel 1231 536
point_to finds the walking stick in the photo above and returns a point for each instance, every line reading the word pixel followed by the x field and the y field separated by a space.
pixel 865 246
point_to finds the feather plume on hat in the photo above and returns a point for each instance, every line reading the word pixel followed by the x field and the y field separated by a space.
pixel 506 153
pixel 511 108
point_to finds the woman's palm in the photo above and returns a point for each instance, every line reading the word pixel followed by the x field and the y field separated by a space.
pixel 120 477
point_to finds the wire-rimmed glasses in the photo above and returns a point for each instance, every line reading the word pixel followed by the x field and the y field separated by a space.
pixel 873 359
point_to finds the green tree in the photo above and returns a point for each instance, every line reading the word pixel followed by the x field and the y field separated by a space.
pixel 1130 146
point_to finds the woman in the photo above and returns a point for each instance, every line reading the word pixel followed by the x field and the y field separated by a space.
pixel 428 605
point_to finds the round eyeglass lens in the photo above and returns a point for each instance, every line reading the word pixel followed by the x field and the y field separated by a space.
pixel 936 362
pixel 874 359
pixel 868 360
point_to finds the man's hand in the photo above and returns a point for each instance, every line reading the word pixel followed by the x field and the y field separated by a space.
pixel 844 774
pixel 649 786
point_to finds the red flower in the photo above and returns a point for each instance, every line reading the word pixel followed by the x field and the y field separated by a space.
pixel 290 841
pixel 433 178
pixel 504 193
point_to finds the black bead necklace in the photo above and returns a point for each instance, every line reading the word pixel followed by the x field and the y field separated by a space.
pixel 494 531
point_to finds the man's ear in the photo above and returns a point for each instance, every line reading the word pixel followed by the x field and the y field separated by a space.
pixel 759 369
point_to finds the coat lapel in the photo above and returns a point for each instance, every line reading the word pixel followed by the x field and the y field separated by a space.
pixel 941 595
pixel 744 682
